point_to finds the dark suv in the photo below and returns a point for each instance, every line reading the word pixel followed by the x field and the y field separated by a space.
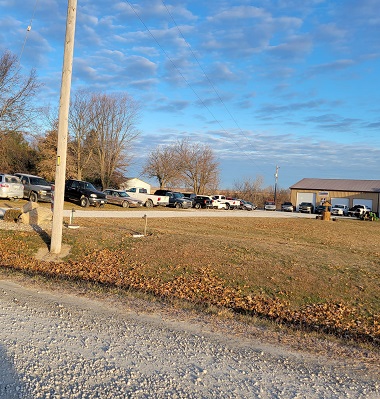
pixel 35 188
pixel 84 193
pixel 176 199
pixel 307 207
pixel 202 201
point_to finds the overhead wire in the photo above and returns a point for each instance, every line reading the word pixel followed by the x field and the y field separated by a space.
pixel 243 152
pixel 214 89
pixel 29 28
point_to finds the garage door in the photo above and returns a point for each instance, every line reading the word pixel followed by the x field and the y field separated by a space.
pixel 305 197
pixel 366 202
pixel 341 201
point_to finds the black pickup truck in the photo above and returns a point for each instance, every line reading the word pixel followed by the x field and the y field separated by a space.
pixel 84 193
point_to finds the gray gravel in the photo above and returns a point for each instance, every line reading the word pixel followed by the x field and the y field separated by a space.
pixel 60 345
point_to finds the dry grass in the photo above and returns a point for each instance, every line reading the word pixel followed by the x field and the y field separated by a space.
pixel 296 263
pixel 303 260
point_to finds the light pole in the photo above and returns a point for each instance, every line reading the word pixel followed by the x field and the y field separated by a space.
pixel 63 124
pixel 275 183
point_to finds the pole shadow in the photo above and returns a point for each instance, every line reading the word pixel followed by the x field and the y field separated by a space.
pixel 10 383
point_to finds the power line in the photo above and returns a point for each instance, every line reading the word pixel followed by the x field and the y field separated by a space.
pixel 212 86
pixel 243 152
pixel 28 29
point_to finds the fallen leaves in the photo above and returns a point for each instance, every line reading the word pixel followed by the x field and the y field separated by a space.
pixel 203 287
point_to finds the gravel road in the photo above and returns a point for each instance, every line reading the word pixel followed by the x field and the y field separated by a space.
pixel 57 344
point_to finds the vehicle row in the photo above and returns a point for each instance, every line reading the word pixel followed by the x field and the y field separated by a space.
pixel 186 200
pixel 23 185
pixel 35 188
pixel 337 209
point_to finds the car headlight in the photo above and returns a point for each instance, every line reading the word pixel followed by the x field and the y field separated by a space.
pixel 93 195
pixel 42 192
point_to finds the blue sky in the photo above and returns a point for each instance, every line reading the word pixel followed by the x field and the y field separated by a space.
pixel 293 83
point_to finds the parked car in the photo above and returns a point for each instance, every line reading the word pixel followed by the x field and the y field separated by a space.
pixel 176 199
pixel 287 207
pixel 358 210
pixel 84 193
pixel 306 207
pixel 228 203
pixel 246 205
pixel 202 201
pixel 190 196
pixel 36 188
pixel 321 208
pixel 269 206
pixel 149 200
pixel 340 210
pixel 120 197
pixel 10 187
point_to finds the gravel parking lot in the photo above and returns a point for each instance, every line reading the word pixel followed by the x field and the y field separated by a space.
pixel 61 345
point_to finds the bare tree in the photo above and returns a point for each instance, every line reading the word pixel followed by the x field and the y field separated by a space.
pixel 198 166
pixel 16 94
pixel 114 124
pixel 253 190
pixel 250 190
pixel 162 164
pixel 81 126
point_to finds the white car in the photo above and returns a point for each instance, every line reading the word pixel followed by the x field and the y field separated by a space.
pixel 10 187
pixel 269 206
pixel 340 210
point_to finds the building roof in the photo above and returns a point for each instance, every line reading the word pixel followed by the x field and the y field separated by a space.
pixel 364 186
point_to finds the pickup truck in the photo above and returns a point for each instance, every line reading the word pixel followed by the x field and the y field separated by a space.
pixel 176 199
pixel 358 210
pixel 306 207
pixel 229 203
pixel 149 200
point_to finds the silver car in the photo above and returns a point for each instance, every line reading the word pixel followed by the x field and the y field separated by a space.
pixel 269 206
pixel 10 187
pixel 120 197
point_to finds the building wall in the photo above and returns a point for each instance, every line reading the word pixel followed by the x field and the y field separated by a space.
pixel 351 195
pixel 135 182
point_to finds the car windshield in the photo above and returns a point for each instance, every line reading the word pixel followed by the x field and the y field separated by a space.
pixel 178 195
pixel 39 181
pixel 339 206
pixel 88 186
pixel 123 194
pixel 270 203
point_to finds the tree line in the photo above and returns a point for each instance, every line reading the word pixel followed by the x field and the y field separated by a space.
pixel 102 130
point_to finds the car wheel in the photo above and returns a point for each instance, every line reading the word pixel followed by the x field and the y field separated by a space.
pixel 149 203
pixel 125 204
pixel 227 206
pixel 33 197
pixel 177 205
pixel 84 202
pixel 197 206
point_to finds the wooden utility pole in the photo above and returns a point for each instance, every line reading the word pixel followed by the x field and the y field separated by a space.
pixel 63 126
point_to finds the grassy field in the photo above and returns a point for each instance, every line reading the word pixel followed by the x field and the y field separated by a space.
pixel 306 273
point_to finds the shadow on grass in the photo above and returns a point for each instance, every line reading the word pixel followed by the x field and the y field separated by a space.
pixel 43 234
